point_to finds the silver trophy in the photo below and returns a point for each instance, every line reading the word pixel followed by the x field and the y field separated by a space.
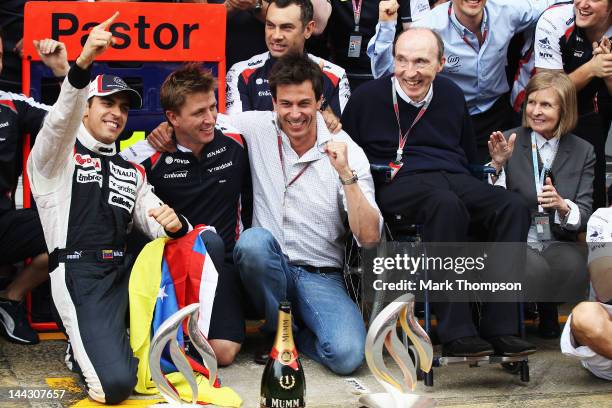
pixel 166 334
pixel 383 332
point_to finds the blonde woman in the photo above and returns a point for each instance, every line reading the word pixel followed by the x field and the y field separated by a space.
pixel 553 170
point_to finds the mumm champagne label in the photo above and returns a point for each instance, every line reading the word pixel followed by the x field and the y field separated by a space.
pixel 279 403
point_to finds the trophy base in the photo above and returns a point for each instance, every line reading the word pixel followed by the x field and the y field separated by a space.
pixel 384 400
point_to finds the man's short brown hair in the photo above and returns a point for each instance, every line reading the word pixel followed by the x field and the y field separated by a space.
pixel 295 70
pixel 187 80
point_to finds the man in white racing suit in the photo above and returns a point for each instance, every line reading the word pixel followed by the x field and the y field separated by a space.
pixel 88 197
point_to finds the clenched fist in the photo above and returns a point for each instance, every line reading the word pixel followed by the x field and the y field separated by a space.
pixel 167 218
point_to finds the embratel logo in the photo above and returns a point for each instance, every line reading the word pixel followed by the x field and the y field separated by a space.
pixel 176 174
pixel 89 176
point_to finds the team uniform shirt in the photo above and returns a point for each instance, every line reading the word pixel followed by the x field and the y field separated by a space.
pixel 524 72
pixel 478 70
pixel 248 89
pixel 214 191
pixel 68 162
pixel 21 234
pixel 18 115
pixel 560 44
pixel 341 26
pixel 307 218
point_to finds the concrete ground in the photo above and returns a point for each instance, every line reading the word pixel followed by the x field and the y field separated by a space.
pixel 556 381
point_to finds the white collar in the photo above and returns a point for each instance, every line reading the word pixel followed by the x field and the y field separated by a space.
pixel 94 145
pixel 182 148
pixel 407 99
pixel 540 140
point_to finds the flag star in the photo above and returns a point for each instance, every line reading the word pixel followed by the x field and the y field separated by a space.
pixel 162 293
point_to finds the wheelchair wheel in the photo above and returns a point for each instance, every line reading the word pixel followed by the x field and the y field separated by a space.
pixel 524 371
pixel 512 368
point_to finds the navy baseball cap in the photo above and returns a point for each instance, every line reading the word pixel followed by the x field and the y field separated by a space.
pixel 104 85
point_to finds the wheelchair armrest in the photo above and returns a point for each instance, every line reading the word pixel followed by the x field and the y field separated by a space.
pixel 481 172
pixel 381 173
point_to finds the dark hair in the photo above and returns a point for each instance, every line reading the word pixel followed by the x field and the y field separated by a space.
pixel 188 79
pixel 306 10
pixel 295 70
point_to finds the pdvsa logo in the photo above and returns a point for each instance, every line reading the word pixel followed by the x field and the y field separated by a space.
pixel 87 161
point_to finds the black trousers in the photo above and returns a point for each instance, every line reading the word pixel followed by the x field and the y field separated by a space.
pixel 447 205
pixel 499 117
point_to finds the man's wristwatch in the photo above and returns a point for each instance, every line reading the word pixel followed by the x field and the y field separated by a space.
pixel 258 5
pixel 350 180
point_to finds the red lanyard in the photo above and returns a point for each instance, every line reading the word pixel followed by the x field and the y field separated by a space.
pixel 460 32
pixel 280 155
pixel 357 14
pixel 402 139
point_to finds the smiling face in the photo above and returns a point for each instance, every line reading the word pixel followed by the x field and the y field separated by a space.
pixel 469 9
pixel 194 123
pixel 296 107
pixel 285 33
pixel 592 14
pixel 417 62
pixel 105 116
pixel 543 111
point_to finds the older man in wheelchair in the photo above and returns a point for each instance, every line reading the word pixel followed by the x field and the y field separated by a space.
pixel 417 125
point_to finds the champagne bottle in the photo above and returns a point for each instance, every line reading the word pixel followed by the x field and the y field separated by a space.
pixel 283 384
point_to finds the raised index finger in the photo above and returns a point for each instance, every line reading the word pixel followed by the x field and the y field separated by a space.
pixel 104 25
